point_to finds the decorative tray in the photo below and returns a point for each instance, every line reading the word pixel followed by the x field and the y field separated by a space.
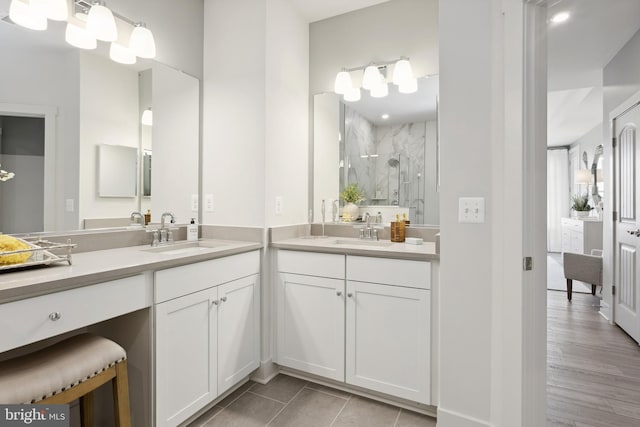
pixel 41 253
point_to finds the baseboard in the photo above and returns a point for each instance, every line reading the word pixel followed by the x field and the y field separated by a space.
pixel 266 372
pixel 447 418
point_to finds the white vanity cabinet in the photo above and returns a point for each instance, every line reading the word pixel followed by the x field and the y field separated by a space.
pixel 207 332
pixel 581 235
pixel 362 320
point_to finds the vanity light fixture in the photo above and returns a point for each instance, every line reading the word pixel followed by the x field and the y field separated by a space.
pixel 385 116
pixel 374 79
pixel 142 42
pixel 27 15
pixel 56 10
pixel 76 33
pixel 101 23
pixel 121 54
pixel 147 117
pixel 6 176
pixel 560 17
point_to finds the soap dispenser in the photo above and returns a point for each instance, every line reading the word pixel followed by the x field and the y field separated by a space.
pixel 192 230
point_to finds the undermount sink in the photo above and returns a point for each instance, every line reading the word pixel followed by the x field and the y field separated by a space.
pixel 185 248
pixel 378 243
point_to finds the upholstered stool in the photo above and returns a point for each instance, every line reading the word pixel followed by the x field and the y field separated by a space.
pixel 66 371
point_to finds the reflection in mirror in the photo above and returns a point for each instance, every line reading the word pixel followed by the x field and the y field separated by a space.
pixel 86 100
pixel 387 146
pixel 146 174
pixel 117 171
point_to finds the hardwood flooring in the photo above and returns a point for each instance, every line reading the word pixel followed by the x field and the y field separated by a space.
pixel 593 368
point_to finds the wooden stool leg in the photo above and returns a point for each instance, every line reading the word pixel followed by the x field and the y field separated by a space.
pixel 569 288
pixel 593 289
pixel 86 410
pixel 121 396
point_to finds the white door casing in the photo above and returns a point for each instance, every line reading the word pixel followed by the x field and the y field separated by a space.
pixel 626 237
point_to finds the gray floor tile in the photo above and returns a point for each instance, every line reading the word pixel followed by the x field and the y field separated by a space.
pixel 204 418
pixel 236 394
pixel 332 391
pixel 310 408
pixel 361 412
pixel 282 388
pixel 249 410
pixel 413 419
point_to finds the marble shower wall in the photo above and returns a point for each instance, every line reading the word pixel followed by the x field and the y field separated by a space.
pixel 395 174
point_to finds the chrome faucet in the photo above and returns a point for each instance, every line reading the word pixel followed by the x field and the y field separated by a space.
pixel 136 214
pixel 166 235
pixel 368 232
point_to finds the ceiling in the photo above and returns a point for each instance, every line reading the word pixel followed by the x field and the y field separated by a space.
pixel 314 11
pixel 578 50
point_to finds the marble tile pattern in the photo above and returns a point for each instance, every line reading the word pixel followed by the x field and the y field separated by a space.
pixel 290 402
pixel 396 175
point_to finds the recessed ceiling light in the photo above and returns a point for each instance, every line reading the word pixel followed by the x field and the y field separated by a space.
pixel 385 116
pixel 560 17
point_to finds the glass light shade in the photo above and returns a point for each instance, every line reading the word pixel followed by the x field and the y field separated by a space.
pixel 101 24
pixel 147 117
pixel 79 37
pixel 381 90
pixel 371 77
pixel 57 10
pixel 343 83
pixel 25 15
pixel 402 72
pixel 353 95
pixel 121 54
pixel 142 42
pixel 410 86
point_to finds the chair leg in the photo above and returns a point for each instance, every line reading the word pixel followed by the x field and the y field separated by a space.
pixel 569 288
pixel 121 396
pixel 593 289
pixel 86 410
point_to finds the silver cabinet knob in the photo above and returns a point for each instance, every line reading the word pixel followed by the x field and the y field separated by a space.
pixel 214 302
pixel 339 293
pixel 223 299
pixel 350 295
pixel 55 316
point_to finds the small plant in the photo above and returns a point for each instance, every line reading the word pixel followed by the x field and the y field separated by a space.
pixel 580 203
pixel 352 194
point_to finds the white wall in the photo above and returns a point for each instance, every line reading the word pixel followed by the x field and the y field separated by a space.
pixel 382 32
pixel 114 120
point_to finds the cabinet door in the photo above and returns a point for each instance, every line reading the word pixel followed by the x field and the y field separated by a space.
pixel 238 331
pixel 186 358
pixel 311 324
pixel 388 339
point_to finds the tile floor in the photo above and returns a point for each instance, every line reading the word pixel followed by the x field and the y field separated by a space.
pixel 291 402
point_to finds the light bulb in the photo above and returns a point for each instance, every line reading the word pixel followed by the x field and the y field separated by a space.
pixel 371 77
pixel 101 24
pixel 121 54
pixel 560 17
pixel 147 117
pixel 142 42
pixel 343 82
pixel 381 90
pixel 353 95
pixel 410 86
pixel 402 72
pixel 26 15
pixel 77 36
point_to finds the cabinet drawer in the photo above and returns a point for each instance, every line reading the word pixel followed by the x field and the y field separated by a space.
pixel 311 264
pixel 175 282
pixel 399 272
pixel 33 319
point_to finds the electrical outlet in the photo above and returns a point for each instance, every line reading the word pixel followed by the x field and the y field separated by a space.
pixel 208 203
pixel 279 205
pixel 194 202
pixel 70 205
pixel 471 210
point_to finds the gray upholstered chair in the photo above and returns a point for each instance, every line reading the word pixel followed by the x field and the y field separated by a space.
pixel 582 267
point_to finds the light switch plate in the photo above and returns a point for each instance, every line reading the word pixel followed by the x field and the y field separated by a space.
pixel 70 205
pixel 194 202
pixel 471 210
pixel 208 203
pixel 279 205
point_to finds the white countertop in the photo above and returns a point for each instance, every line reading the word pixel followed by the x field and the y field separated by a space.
pixel 99 266
pixel 352 246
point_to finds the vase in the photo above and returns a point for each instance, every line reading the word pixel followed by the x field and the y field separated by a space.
pixel 581 214
pixel 350 212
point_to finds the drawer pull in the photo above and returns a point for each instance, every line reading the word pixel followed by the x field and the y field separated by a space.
pixel 55 316
pixel 214 302
pixel 339 293
pixel 350 295
pixel 223 299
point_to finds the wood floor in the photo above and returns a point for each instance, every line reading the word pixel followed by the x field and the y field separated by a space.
pixel 593 368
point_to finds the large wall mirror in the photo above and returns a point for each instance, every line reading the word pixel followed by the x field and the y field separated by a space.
pixel 77 101
pixel 387 146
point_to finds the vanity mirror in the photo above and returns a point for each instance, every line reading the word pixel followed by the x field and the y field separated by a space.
pixel 387 146
pixel 88 101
